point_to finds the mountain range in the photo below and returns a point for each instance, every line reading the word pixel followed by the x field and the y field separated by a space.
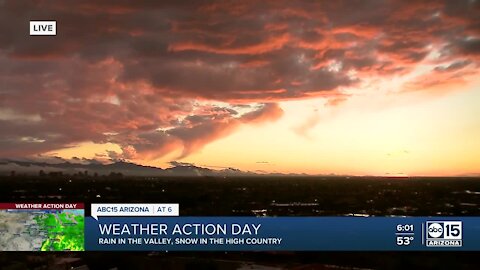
pixel 92 166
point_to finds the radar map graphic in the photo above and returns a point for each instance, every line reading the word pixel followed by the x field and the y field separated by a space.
pixel 42 230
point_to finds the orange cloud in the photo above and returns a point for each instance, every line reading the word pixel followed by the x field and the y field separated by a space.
pixel 140 73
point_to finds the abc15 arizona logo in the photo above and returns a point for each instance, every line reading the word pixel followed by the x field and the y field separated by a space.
pixel 443 234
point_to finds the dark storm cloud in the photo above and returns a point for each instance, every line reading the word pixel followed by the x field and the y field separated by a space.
pixel 131 72
pixel 469 46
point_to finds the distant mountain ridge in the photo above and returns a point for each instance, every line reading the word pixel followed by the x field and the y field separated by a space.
pixel 31 167
pixel 76 165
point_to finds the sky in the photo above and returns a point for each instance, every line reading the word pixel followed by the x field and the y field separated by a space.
pixel 317 87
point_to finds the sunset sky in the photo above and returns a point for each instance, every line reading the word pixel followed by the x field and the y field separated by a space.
pixel 318 87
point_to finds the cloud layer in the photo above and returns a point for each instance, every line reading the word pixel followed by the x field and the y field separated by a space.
pixel 158 76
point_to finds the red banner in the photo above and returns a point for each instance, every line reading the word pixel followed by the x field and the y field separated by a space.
pixel 42 206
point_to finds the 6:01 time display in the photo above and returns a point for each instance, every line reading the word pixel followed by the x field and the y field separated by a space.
pixel 405 228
